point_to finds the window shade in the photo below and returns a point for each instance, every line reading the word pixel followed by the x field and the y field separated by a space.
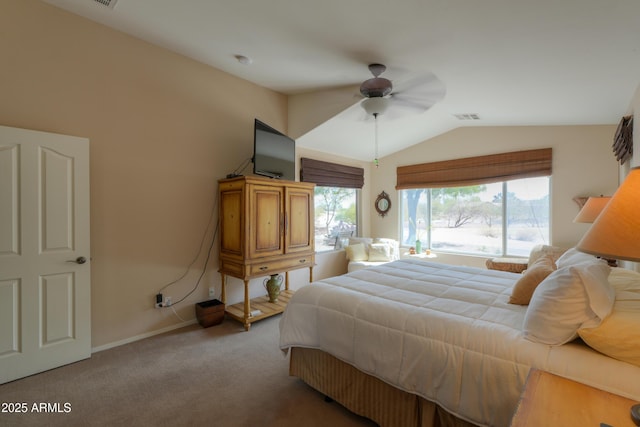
pixel 326 174
pixel 476 170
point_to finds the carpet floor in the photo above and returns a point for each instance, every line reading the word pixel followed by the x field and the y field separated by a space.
pixel 218 376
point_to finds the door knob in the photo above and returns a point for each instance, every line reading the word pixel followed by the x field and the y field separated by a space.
pixel 79 260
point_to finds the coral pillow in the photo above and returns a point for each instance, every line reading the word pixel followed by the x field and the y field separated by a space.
pixel 532 277
pixel 568 299
pixel 619 334
pixel 356 252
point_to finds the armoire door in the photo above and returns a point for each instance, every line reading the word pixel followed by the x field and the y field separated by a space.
pixel 266 216
pixel 299 231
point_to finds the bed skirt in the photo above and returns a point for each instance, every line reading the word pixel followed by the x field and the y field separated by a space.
pixel 365 395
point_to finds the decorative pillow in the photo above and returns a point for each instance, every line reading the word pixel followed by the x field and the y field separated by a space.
pixel 393 245
pixel 542 250
pixel 619 334
pixel 366 241
pixel 536 273
pixel 573 257
pixel 570 298
pixel 356 252
pixel 379 252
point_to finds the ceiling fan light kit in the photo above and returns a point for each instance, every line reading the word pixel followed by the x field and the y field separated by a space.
pixel 375 106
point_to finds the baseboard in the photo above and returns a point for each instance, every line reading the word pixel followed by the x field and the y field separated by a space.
pixel 142 336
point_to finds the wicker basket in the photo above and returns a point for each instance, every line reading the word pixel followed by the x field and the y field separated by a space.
pixel 210 313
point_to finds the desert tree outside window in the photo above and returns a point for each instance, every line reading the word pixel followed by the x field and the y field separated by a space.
pixel 336 201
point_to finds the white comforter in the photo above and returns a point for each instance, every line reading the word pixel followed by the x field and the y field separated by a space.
pixel 443 332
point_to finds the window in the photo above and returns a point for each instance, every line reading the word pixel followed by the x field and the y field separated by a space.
pixel 335 217
pixel 336 201
pixel 478 219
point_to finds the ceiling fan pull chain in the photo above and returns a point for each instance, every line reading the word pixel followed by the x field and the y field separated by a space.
pixel 375 119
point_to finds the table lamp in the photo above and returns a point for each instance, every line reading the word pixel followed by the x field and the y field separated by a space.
pixel 591 209
pixel 615 234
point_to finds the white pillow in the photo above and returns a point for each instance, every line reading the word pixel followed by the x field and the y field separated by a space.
pixel 366 241
pixel 379 252
pixel 619 334
pixel 356 252
pixel 570 298
pixel 573 257
pixel 393 245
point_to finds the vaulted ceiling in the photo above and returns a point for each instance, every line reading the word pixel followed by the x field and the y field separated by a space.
pixel 506 62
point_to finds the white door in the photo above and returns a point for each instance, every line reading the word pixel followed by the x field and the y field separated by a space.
pixel 45 293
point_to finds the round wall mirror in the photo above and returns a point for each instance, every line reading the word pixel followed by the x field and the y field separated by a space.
pixel 383 204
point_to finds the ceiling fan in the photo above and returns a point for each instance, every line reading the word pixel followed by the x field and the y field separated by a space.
pixel 414 96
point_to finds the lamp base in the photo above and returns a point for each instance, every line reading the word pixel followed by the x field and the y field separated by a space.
pixel 635 414
pixel 611 262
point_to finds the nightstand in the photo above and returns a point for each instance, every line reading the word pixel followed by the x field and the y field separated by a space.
pixel 550 400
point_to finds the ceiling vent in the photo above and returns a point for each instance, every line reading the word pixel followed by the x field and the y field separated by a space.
pixel 108 3
pixel 467 116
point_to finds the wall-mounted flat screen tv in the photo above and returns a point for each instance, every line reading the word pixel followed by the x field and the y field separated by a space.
pixel 274 153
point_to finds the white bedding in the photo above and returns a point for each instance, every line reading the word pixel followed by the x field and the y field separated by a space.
pixel 446 333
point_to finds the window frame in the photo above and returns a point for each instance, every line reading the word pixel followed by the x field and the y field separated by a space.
pixel 334 175
pixel 505 247
pixel 358 219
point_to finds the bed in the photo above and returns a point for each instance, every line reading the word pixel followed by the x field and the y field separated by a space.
pixel 417 343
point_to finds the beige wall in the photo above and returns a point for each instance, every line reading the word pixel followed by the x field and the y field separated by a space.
pixel 162 128
pixel 583 165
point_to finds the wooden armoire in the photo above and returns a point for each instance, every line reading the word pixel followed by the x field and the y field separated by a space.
pixel 266 227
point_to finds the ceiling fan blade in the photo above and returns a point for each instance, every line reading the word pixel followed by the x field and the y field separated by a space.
pixel 425 79
pixel 425 86
pixel 418 102
pixel 418 106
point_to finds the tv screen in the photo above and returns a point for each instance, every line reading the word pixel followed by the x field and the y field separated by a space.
pixel 274 153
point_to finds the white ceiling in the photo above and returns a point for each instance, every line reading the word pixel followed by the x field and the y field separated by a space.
pixel 512 62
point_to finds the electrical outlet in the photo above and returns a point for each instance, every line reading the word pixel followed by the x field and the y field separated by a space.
pixel 212 292
pixel 167 302
pixel 158 301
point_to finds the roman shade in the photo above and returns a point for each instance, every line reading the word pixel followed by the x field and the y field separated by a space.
pixel 475 170
pixel 326 174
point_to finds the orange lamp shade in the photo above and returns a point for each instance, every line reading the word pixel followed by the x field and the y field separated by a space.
pixel 615 234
